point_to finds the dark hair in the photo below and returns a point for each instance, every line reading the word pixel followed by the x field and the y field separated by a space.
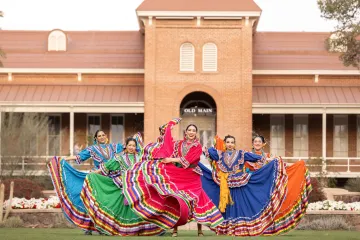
pixel 229 136
pixel 130 139
pixel 191 125
pixel 96 133
pixel 259 136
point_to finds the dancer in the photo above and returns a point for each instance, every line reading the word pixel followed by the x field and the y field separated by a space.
pixel 165 188
pixel 299 187
pixel 247 200
pixel 68 181
pixel 103 199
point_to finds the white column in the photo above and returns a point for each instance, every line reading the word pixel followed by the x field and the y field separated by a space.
pixel 71 132
pixel 324 141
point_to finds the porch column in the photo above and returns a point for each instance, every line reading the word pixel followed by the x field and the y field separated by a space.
pixel 324 141
pixel 71 132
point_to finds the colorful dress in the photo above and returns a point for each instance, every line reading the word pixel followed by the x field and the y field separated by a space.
pixel 296 201
pixel 248 200
pixel 103 199
pixel 170 195
pixel 68 181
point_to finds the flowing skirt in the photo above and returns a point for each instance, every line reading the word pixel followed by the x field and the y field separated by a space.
pixel 294 207
pixel 256 201
pixel 68 184
pixel 104 202
pixel 168 196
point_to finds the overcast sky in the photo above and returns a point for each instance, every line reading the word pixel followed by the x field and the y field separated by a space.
pixel 277 15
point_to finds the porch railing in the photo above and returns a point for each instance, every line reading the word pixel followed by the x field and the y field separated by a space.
pixel 32 165
pixel 331 166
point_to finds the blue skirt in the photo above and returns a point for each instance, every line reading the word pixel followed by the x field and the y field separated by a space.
pixel 255 202
pixel 68 183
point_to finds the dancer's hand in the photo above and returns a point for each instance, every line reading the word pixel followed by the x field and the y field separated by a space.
pixel 167 160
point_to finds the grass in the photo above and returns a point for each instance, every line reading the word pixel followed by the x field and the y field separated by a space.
pixel 75 234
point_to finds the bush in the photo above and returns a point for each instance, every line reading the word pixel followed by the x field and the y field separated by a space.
pixel 317 194
pixel 353 185
pixel 325 223
pixel 23 188
pixel 12 222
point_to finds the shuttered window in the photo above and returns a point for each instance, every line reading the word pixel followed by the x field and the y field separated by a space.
pixel 187 57
pixel 209 57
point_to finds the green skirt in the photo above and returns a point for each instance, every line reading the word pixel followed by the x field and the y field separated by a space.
pixel 104 202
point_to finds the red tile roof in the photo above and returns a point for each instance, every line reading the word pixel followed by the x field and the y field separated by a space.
pixel 96 49
pixel 198 5
pixel 306 95
pixel 71 94
pixel 85 49
pixel 294 51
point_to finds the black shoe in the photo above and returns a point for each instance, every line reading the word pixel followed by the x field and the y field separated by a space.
pixel 88 232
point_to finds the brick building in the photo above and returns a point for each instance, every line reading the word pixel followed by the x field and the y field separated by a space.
pixel 206 63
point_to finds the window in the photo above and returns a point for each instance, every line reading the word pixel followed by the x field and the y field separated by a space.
pixel 187 57
pixel 94 124
pixel 358 136
pixel 54 136
pixel 206 137
pixel 301 136
pixel 209 57
pixel 340 145
pixel 57 41
pixel 277 135
pixel 117 129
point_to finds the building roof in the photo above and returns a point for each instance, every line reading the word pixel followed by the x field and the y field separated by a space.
pixel 125 49
pixel 85 49
pixel 198 5
pixel 306 95
pixel 294 51
pixel 70 94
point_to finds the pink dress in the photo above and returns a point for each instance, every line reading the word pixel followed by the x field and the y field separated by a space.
pixel 170 194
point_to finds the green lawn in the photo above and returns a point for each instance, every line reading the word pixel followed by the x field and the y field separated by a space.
pixel 74 234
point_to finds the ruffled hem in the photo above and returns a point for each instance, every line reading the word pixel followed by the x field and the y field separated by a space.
pixel 291 218
pixel 72 213
pixel 108 224
pixel 265 218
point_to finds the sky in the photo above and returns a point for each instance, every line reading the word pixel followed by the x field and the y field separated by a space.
pixel 115 15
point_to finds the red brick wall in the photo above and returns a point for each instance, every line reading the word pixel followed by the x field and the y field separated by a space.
pixel 230 87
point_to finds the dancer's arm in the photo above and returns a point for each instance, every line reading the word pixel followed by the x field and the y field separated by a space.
pixel 251 157
pixel 81 157
pixel 192 156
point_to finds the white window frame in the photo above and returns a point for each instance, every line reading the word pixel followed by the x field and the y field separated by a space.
pixel 60 44
pixel 272 119
pixel 117 115
pixel 87 122
pixel 182 68
pixel 204 58
pixel 301 119
pixel 60 135
pixel 347 135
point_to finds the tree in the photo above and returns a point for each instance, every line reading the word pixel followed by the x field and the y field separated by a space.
pixel 2 53
pixel 346 37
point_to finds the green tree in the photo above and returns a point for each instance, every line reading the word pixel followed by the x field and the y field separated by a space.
pixel 2 53
pixel 346 37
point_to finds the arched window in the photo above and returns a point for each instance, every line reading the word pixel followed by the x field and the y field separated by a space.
pixel 57 41
pixel 187 57
pixel 209 57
